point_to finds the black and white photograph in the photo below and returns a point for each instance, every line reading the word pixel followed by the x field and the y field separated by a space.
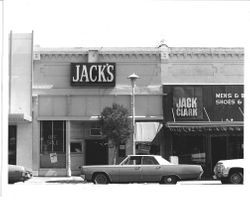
pixel 113 100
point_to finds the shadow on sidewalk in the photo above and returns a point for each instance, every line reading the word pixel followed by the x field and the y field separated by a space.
pixel 66 182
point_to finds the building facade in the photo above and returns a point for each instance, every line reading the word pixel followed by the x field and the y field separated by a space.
pixel 203 106
pixel 69 88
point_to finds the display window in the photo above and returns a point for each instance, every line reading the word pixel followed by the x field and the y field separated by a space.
pixel 52 147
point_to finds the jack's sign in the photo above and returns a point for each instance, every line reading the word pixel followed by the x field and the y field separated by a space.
pixel 93 74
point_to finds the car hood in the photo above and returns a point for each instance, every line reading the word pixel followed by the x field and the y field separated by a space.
pixel 18 168
pixel 232 162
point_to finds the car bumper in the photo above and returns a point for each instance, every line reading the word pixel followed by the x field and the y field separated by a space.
pixel 83 177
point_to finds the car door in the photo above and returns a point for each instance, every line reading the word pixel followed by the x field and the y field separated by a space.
pixel 151 170
pixel 131 170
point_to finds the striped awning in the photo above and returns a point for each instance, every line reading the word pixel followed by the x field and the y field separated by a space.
pixel 210 126
pixel 19 118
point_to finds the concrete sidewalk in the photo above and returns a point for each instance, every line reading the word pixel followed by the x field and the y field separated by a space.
pixel 55 180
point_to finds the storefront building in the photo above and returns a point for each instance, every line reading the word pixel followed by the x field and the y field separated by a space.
pixel 69 87
pixel 203 107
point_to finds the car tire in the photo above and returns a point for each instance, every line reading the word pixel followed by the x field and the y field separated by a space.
pixel 236 178
pixel 100 178
pixel 169 180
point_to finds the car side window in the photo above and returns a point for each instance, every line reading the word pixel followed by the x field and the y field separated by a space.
pixel 133 160
pixel 149 160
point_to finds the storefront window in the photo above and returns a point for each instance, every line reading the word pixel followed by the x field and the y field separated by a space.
pixel 76 147
pixel 189 149
pixel 53 138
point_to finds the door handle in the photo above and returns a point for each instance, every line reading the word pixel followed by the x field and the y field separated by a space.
pixel 137 168
pixel 158 167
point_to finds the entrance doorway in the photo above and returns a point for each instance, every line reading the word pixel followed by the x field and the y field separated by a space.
pixel 96 152
pixel 12 144
pixel 218 149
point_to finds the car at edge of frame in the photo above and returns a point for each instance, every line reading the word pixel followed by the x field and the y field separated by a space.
pixel 141 168
pixel 230 171
pixel 18 174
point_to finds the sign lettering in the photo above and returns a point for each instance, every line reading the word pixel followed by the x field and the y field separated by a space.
pixel 89 74
pixel 229 98
pixel 187 107
pixel 187 103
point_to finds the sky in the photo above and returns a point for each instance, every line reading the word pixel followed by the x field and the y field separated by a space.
pixel 109 23
pixel 134 23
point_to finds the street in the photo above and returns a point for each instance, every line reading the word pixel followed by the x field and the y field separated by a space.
pixel 76 180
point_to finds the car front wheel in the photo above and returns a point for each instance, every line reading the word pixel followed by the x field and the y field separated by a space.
pixel 236 178
pixel 100 178
pixel 169 180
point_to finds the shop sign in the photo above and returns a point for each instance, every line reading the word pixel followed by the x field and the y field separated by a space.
pixel 229 98
pixel 91 74
pixel 187 106
pixel 187 102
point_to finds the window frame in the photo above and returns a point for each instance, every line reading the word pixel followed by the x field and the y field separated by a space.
pixel 76 141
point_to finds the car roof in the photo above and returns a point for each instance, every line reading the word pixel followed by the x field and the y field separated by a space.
pixel 143 155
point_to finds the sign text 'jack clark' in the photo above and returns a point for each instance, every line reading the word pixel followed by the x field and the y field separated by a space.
pixel 91 74
pixel 186 107
pixel 187 102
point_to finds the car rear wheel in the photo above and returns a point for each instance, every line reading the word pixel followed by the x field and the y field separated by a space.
pixel 236 178
pixel 169 180
pixel 100 178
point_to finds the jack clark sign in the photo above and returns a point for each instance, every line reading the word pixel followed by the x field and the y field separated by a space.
pixel 187 103
pixel 93 74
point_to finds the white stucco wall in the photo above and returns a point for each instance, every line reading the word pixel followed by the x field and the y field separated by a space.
pixel 24 145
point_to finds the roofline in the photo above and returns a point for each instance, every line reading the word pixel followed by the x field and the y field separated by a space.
pixel 138 50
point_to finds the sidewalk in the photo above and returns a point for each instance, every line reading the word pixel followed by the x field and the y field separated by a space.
pixel 79 180
pixel 55 180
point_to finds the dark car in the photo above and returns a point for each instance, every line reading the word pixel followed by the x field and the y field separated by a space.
pixel 141 168
pixel 18 174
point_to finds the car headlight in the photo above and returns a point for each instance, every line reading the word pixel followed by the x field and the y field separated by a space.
pixel 219 168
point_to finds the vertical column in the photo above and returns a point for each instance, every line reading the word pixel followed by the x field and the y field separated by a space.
pixel 68 161
pixel 209 153
pixel 35 137
pixel 133 116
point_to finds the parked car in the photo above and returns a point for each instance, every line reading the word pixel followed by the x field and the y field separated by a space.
pixel 229 171
pixel 141 168
pixel 18 174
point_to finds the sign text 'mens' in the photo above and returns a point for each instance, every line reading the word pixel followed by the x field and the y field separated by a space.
pixel 91 74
